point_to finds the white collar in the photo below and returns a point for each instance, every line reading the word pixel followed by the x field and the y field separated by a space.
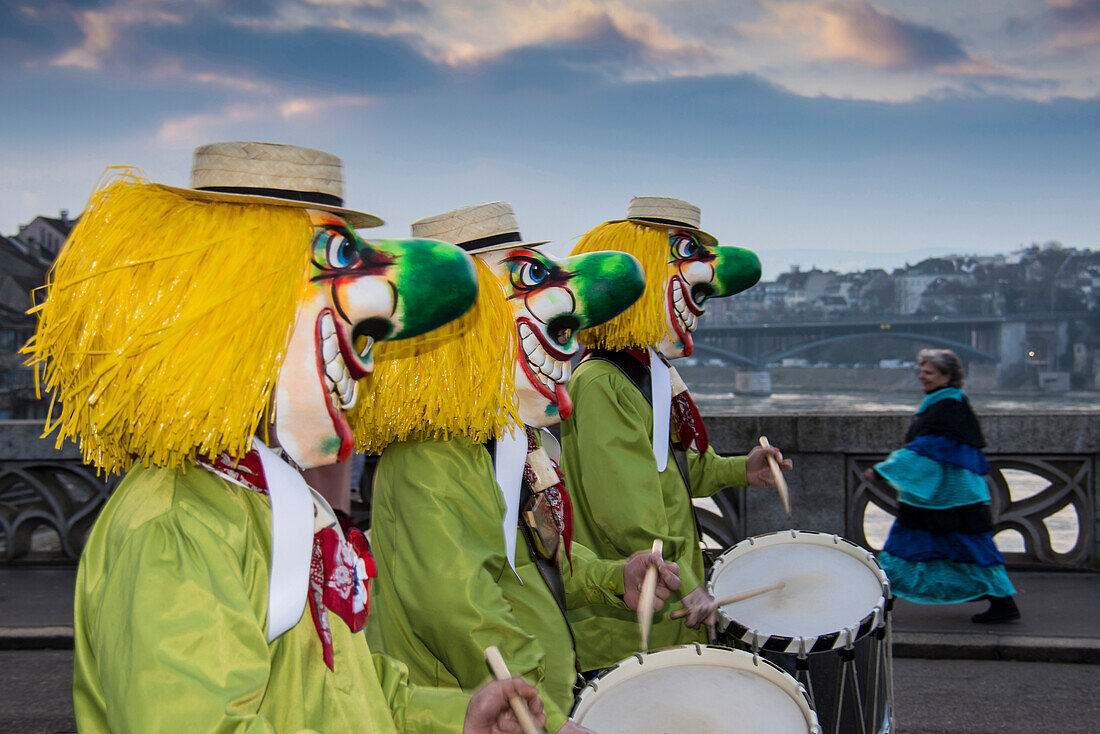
pixel 292 528
pixel 509 458
pixel 660 380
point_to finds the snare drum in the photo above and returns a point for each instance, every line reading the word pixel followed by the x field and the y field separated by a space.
pixel 831 621
pixel 695 688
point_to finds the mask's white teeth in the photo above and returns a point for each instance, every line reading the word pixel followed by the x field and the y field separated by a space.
pixel 338 380
pixel 368 345
pixel 335 370
pixel 547 370
pixel 683 314
pixel 330 347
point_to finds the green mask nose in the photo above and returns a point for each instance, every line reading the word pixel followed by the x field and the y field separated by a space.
pixel 435 282
pixel 604 285
pixel 735 269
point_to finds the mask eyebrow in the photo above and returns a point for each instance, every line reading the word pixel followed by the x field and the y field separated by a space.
pixel 371 260
pixel 556 274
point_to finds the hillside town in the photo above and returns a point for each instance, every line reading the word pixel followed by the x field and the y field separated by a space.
pixel 1040 278
pixel 1034 279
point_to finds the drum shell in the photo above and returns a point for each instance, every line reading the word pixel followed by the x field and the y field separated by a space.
pixel 621 677
pixel 819 660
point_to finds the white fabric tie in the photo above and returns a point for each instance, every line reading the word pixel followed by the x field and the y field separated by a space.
pixel 291 541
pixel 660 380
pixel 510 456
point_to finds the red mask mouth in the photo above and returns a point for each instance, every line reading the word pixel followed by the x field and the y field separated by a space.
pixel 683 312
pixel 545 366
pixel 339 368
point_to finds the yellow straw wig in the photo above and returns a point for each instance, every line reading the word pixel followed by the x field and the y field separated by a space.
pixel 423 388
pixel 165 323
pixel 643 324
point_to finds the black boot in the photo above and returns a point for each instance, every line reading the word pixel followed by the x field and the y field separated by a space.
pixel 1001 609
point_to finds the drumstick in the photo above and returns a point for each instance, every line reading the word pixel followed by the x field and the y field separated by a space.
pixel 741 596
pixel 645 599
pixel 519 706
pixel 780 482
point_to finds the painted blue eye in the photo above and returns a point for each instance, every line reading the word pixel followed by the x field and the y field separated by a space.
pixel 533 274
pixel 685 247
pixel 340 250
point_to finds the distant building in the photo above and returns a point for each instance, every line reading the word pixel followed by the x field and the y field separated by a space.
pixel 23 268
pixel 45 235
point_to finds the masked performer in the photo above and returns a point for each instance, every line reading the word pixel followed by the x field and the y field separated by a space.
pixel 208 341
pixel 632 477
pixel 473 535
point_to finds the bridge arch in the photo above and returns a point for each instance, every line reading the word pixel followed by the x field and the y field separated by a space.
pixel 963 350
pixel 734 357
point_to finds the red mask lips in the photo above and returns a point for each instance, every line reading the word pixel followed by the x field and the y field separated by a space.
pixel 557 394
pixel 676 306
pixel 339 367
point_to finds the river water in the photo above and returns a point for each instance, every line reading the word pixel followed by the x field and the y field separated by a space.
pixel 717 399
pixel 713 392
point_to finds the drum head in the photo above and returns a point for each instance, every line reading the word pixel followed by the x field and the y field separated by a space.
pixel 832 585
pixel 696 689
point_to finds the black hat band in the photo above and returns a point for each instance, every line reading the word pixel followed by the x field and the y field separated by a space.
pixel 496 239
pixel 306 197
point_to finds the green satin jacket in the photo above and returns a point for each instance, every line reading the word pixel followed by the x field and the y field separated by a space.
pixel 621 503
pixel 445 591
pixel 170 627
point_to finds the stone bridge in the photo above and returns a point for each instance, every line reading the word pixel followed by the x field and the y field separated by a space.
pixel 1002 340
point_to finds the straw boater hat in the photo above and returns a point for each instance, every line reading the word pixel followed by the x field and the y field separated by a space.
pixel 478 228
pixel 272 174
pixel 664 211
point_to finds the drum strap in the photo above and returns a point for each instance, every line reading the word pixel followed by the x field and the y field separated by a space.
pixel 638 374
pixel 549 572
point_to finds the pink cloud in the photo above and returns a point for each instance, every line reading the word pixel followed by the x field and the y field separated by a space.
pixel 858 32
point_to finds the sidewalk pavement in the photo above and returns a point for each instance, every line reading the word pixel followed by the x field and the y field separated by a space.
pixel 1059 624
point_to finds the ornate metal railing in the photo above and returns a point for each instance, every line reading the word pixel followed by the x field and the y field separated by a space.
pixel 47 508
pixel 49 499
pixel 1067 479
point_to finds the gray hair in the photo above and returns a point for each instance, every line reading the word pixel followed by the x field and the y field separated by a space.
pixel 946 362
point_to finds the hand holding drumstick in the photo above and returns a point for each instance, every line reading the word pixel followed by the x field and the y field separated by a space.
pixel 764 466
pixel 646 599
pixel 732 598
pixel 520 707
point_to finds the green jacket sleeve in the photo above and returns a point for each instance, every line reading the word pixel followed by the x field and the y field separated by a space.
pixel 453 526
pixel 614 427
pixel 189 651
pixel 419 710
pixel 590 580
pixel 712 473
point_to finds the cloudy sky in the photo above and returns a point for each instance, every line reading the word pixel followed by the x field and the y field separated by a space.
pixel 837 133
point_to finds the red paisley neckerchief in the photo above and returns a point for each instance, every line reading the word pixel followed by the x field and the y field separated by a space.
pixel 556 495
pixel 340 568
pixel 686 420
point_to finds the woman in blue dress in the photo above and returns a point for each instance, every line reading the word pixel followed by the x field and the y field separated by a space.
pixel 940 549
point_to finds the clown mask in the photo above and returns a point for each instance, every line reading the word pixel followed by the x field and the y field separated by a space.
pixel 359 292
pixel 552 300
pixel 699 269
